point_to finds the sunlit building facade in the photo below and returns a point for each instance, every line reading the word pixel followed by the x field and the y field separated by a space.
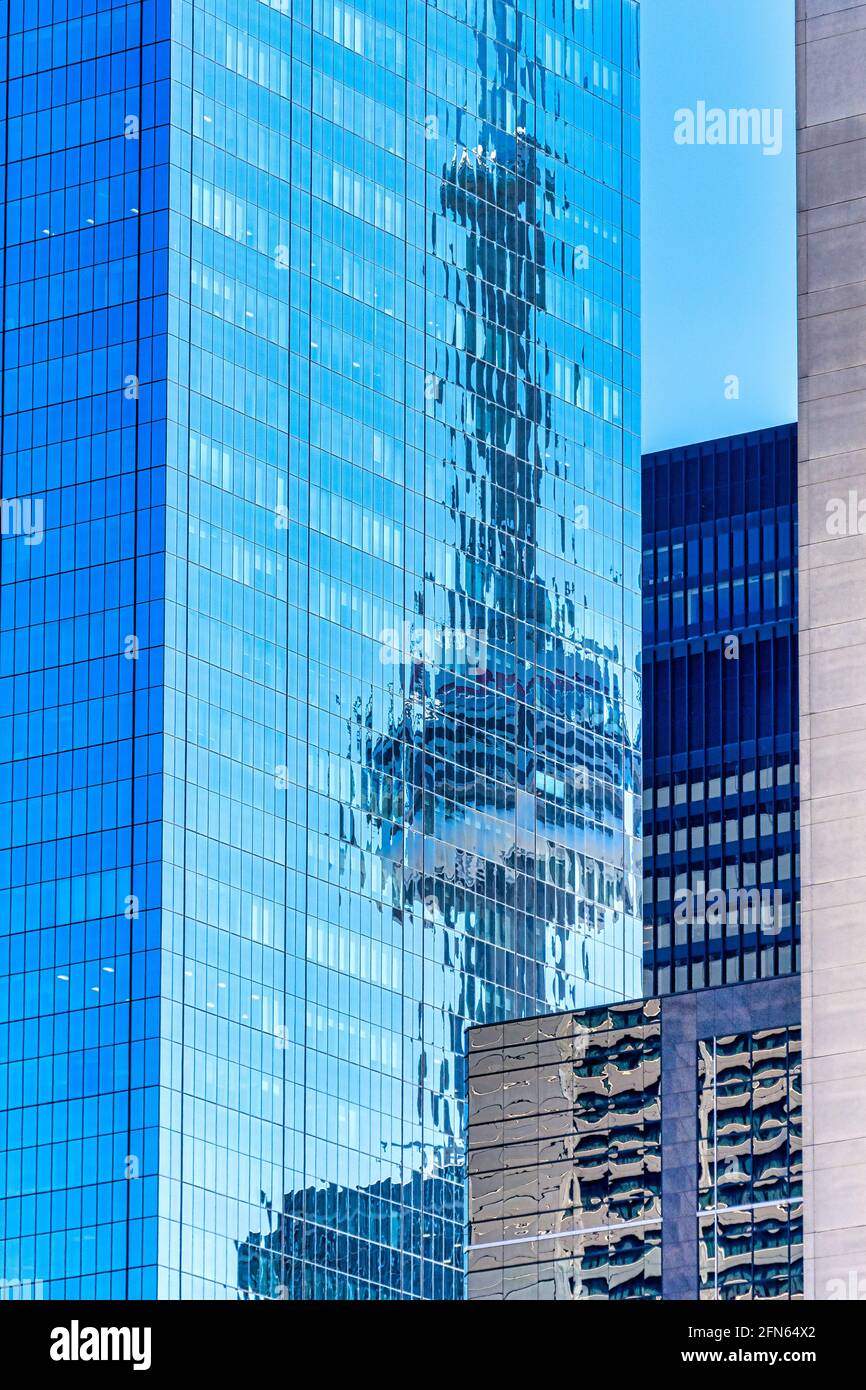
pixel 332 699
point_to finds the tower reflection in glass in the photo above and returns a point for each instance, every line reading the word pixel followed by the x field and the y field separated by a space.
pixel 345 448
pixel 470 434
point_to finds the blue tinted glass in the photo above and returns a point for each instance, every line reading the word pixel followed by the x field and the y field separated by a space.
pixel 82 657
pixel 320 707
pixel 721 738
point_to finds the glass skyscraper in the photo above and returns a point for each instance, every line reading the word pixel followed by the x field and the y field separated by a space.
pixel 320 616
pixel 86 978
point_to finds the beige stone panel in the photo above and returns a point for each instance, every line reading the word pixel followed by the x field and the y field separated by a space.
pixel 839 1155
pixel 839 1025
pixel 838 1067
pixel 833 301
pixel 834 72
pixel 838 591
pixel 837 678
pixel 836 847
pixel 839 1198
pixel 838 1108
pixel 838 893
pixel 828 505
pixel 834 173
pixel 830 1276
pixel 841 979
pixel 840 22
pixel 845 1241
pixel 831 62
pixel 836 424
pixel 812 9
pixel 823 470
pixel 836 340
pixel 841 724
pixel 812 220
pixel 837 770
pixel 827 639
pixel 843 940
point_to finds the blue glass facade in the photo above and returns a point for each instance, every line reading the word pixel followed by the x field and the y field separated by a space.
pixel 720 730
pixel 84 305
pixel 325 671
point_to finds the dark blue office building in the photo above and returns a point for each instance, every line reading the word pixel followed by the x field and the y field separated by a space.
pixel 720 733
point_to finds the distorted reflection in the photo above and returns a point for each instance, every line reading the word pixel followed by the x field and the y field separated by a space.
pixel 497 743
pixel 750 1223
pixel 565 1157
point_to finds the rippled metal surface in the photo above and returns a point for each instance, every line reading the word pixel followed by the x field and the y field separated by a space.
pixel 750 1218
pixel 565 1156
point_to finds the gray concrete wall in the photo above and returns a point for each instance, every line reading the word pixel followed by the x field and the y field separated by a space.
pixel 831 120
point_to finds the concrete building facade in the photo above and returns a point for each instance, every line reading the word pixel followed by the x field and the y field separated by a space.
pixel 831 121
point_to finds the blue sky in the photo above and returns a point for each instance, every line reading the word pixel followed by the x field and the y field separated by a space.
pixel 718 223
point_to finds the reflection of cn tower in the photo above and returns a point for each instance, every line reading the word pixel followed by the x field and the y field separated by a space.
pixel 503 792
pixel 488 797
